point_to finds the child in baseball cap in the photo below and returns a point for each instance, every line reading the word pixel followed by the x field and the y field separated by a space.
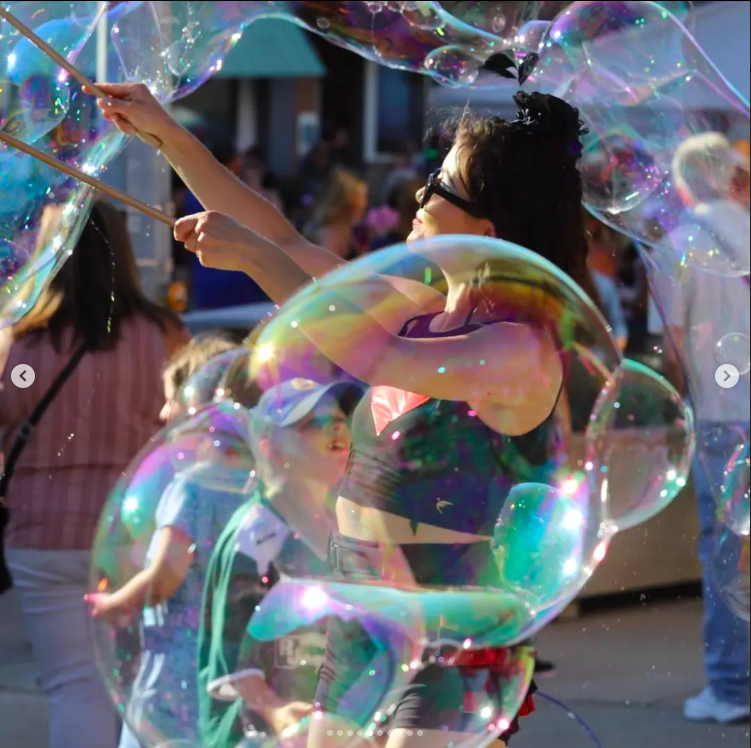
pixel 301 439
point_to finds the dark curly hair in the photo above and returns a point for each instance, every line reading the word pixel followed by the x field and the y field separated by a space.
pixel 523 174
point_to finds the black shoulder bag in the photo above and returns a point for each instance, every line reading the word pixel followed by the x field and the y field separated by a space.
pixel 15 452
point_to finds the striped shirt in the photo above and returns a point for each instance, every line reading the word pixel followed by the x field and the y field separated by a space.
pixel 106 411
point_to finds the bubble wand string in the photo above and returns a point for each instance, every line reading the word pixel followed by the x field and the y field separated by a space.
pixel 573 715
pixel 82 177
pixel 71 69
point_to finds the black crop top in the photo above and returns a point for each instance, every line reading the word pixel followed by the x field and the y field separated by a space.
pixel 435 461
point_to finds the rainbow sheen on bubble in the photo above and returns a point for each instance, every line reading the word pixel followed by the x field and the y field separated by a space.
pixel 175 47
pixel 734 349
pixel 553 524
pixel 191 478
pixel 646 430
pixel 646 91
pixel 383 626
pixel 527 289
pixel 735 494
pixel 731 569
pixel 206 384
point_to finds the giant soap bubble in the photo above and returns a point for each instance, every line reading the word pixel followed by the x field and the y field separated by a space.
pixel 174 47
pixel 735 492
pixel 398 615
pixel 521 287
pixel 647 91
pixel 536 495
pixel 190 479
pixel 731 572
pixel 646 430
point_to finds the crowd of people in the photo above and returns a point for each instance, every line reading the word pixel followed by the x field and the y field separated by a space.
pixel 198 569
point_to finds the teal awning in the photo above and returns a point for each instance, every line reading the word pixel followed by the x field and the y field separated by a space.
pixel 272 48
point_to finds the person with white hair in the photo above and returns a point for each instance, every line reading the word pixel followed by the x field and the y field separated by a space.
pixel 709 297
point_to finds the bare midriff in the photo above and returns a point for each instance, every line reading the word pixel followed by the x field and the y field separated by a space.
pixel 377 526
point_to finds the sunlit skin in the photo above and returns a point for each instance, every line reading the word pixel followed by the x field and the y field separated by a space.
pixel 171 407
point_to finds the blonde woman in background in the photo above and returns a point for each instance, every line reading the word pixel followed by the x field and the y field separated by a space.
pixel 340 207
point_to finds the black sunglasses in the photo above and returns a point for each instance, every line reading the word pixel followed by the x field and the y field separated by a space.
pixel 433 186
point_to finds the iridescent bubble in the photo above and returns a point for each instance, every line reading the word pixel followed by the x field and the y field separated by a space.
pixel 735 349
pixel 547 544
pixel 34 108
pixel 618 175
pixel 423 16
pixel 646 431
pixel 42 105
pixel 205 384
pixel 731 565
pixel 735 496
pixel 638 78
pixel 35 96
pixel 453 65
pixel 191 478
pixel 383 624
pixel 458 605
pixel 380 660
pixel 524 288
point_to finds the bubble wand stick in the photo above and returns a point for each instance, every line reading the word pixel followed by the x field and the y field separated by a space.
pixel 81 176
pixel 71 69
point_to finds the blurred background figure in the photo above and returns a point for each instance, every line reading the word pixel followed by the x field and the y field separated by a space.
pixel 256 175
pixel 402 171
pixel 602 261
pixel 316 167
pixel 708 173
pixel 704 169
pixel 107 409
pixel 405 205
pixel 337 213
pixel 186 361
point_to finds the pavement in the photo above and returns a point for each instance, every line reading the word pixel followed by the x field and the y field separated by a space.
pixel 624 669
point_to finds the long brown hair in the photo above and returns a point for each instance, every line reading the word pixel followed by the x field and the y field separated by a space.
pixel 96 290
pixel 524 175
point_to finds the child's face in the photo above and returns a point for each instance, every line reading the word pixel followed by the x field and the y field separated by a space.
pixel 317 447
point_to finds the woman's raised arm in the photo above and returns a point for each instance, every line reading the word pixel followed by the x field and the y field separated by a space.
pixel 133 109
pixel 503 365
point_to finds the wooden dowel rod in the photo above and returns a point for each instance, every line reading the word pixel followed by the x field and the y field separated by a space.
pixel 87 179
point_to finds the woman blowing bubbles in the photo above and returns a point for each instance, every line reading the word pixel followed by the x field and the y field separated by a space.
pixel 517 181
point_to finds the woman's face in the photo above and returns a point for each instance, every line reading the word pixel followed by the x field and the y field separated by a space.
pixel 439 216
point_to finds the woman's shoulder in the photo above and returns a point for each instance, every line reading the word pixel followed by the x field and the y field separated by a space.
pixel 168 327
